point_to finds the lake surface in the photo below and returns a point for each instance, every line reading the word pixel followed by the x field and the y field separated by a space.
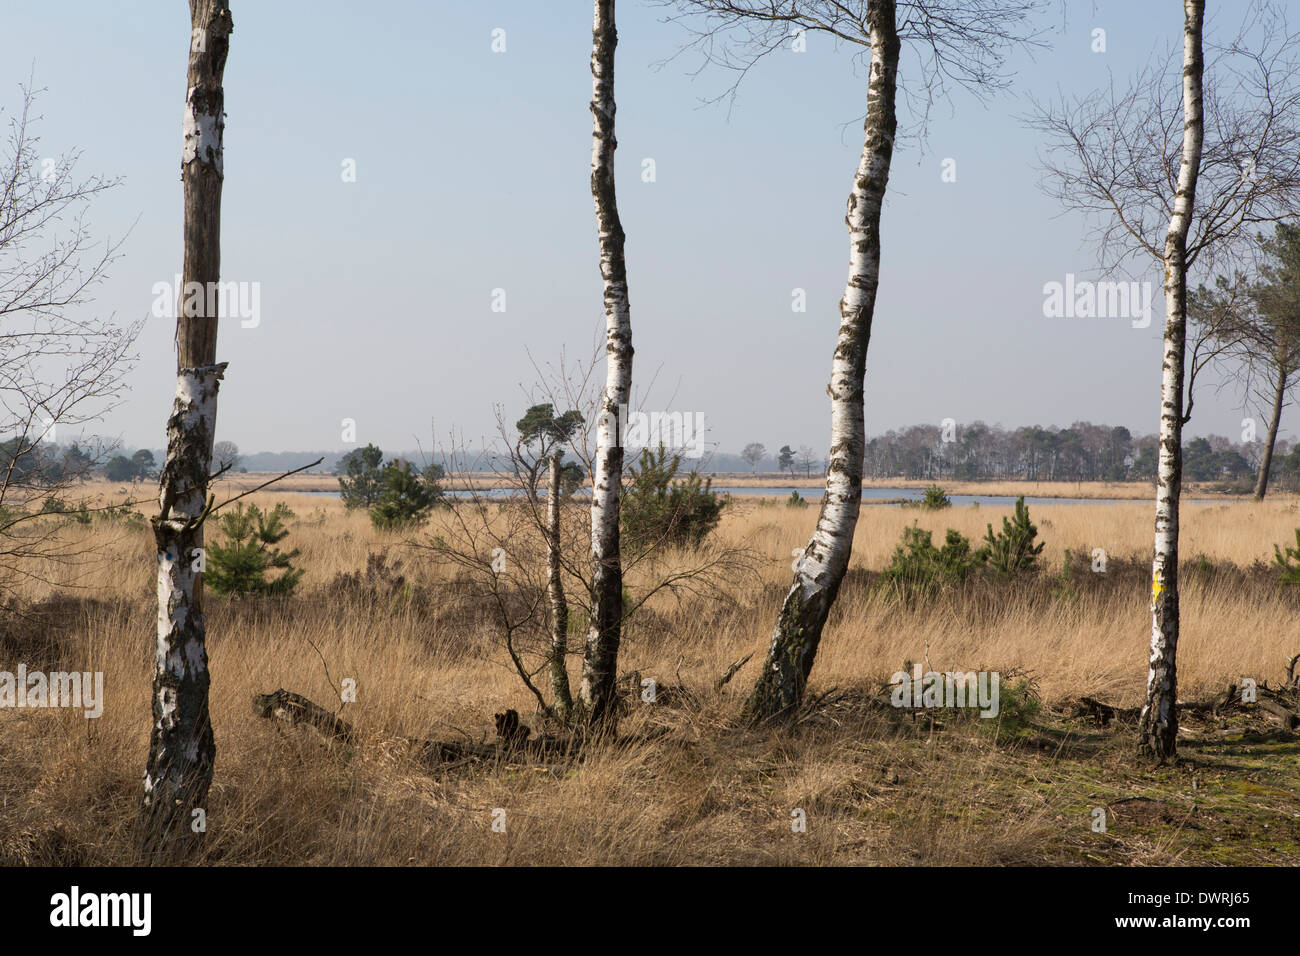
pixel 815 494
pixel 916 494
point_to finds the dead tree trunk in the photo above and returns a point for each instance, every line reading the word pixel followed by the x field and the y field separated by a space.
pixel 1159 721
pixel 600 657
pixel 561 699
pixel 181 746
pixel 826 558
pixel 1266 462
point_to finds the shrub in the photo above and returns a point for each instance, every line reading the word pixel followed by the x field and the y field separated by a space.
pixel 406 498
pixel 1012 550
pixel 658 509
pixel 240 564
pixel 1288 561
pixel 123 513
pixel 1064 587
pixel 361 479
pixel 934 499
pixel 918 566
pixel 1018 707
pixel 796 500
pixel 55 505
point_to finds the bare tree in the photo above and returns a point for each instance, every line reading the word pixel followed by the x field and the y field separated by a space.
pixel 600 659
pixel 805 459
pixel 181 746
pixel 516 557
pixel 225 455
pixel 962 41
pixel 1226 130
pixel 59 369
pixel 753 453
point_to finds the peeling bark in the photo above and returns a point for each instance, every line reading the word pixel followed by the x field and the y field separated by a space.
pixel 1158 728
pixel 826 558
pixel 600 656
pixel 561 699
pixel 181 746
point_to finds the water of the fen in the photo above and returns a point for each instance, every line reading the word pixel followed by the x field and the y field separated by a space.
pixel 815 494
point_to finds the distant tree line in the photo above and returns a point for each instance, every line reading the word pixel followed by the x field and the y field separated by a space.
pixel 1081 452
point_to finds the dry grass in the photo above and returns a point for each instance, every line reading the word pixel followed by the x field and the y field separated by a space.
pixel 876 787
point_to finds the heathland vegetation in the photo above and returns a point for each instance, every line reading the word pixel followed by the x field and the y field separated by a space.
pixel 876 785
pixel 1138 695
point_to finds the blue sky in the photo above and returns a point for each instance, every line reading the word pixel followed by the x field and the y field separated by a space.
pixel 473 175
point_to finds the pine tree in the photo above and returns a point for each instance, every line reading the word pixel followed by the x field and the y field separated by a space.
pixel 659 508
pixel 406 498
pixel 1012 550
pixel 1288 561
pixel 239 565
pixel 362 481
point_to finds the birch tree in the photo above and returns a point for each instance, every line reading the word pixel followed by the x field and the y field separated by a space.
pixel 1176 168
pixel 560 694
pixel 953 41
pixel 60 369
pixel 181 746
pixel 1159 722
pixel 519 558
pixel 600 656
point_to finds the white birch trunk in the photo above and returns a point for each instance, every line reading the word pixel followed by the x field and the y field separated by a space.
pixel 1159 721
pixel 825 559
pixel 182 750
pixel 600 657
pixel 561 699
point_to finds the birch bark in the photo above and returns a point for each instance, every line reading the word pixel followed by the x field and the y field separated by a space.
pixel 1158 727
pixel 181 746
pixel 600 656
pixel 561 698
pixel 821 568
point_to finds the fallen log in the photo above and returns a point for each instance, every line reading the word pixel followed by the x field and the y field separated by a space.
pixel 515 738
pixel 1279 706
pixel 296 709
pixel 1269 702
pixel 1102 713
